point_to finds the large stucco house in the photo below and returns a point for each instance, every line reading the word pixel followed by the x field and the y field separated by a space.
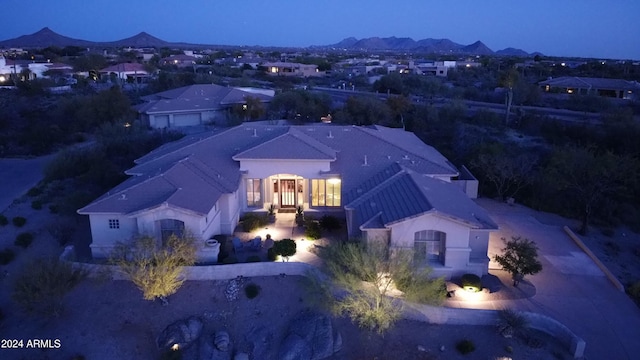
pixel 389 186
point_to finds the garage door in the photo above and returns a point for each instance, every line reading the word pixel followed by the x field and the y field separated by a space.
pixel 161 121
pixel 186 119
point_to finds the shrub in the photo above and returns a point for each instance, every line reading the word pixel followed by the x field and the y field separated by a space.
pixel 471 282
pixel 42 285
pixel 171 355
pixel 285 248
pixel 252 290
pixel 312 230
pixel 34 191
pixel 54 209
pixel 62 232
pixel 330 222
pixel 465 346
pixel 253 258
pixel 19 221
pixel 252 222
pixel 6 256
pixel 36 204
pixel 272 255
pixel 511 322
pixel 3 220
pixel 24 239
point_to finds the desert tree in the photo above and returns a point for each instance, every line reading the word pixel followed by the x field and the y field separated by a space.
pixel 519 258
pixel 42 285
pixel 507 173
pixel 508 79
pixel 156 270
pixel 365 277
pixel 588 177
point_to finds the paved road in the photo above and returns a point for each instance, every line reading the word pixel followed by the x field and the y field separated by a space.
pixel 571 288
pixel 17 176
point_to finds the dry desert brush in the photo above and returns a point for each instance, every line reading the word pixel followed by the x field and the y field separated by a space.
pixel 157 270
pixel 42 285
pixel 366 275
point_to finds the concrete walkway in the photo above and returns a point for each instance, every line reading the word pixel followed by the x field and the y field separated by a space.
pixel 570 288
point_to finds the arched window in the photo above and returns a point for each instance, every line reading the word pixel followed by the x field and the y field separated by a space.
pixel 429 245
pixel 170 227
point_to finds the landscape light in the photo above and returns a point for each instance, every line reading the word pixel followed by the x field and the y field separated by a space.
pixel 175 347
pixel 2 78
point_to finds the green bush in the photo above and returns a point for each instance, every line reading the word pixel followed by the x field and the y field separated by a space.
pixel 252 290
pixel 251 222
pixel 3 220
pixel 6 256
pixel 253 258
pixel 272 255
pixel 471 282
pixel 285 247
pixel 19 221
pixel 36 204
pixel 330 222
pixel 312 230
pixel 465 346
pixel 34 191
pixel 24 239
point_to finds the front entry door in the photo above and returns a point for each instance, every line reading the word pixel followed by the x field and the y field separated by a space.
pixel 287 193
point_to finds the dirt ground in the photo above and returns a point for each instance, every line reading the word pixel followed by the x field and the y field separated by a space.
pixel 110 320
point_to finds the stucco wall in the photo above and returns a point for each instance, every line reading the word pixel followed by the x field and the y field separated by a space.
pixel 261 169
pixel 103 238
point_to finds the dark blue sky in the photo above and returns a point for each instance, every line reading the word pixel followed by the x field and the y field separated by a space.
pixel 585 28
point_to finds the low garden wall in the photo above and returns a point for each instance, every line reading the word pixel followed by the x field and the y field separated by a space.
pixel 419 312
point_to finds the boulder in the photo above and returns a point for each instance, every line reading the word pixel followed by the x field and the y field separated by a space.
pixel 182 333
pixel 310 336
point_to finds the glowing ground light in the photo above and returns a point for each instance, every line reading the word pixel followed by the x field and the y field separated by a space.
pixel 175 347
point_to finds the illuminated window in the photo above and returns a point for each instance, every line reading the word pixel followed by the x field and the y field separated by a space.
pixel 114 224
pixel 254 197
pixel 325 192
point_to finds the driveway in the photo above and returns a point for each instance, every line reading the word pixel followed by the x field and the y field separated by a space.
pixel 570 288
pixel 18 176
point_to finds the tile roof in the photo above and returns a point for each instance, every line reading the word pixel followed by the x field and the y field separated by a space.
pixel 407 194
pixel 194 172
pixel 291 145
pixel 195 98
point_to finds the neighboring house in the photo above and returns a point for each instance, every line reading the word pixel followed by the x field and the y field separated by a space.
pixel 193 105
pixel 390 186
pixel 130 72
pixel 179 60
pixel 29 69
pixel 616 88
pixel 291 69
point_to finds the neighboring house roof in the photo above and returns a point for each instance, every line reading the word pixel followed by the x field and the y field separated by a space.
pixel 194 172
pixel 199 97
pixel 125 67
pixel 594 83
pixel 407 194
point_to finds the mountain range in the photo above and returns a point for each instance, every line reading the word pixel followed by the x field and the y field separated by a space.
pixel 433 46
pixel 47 37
